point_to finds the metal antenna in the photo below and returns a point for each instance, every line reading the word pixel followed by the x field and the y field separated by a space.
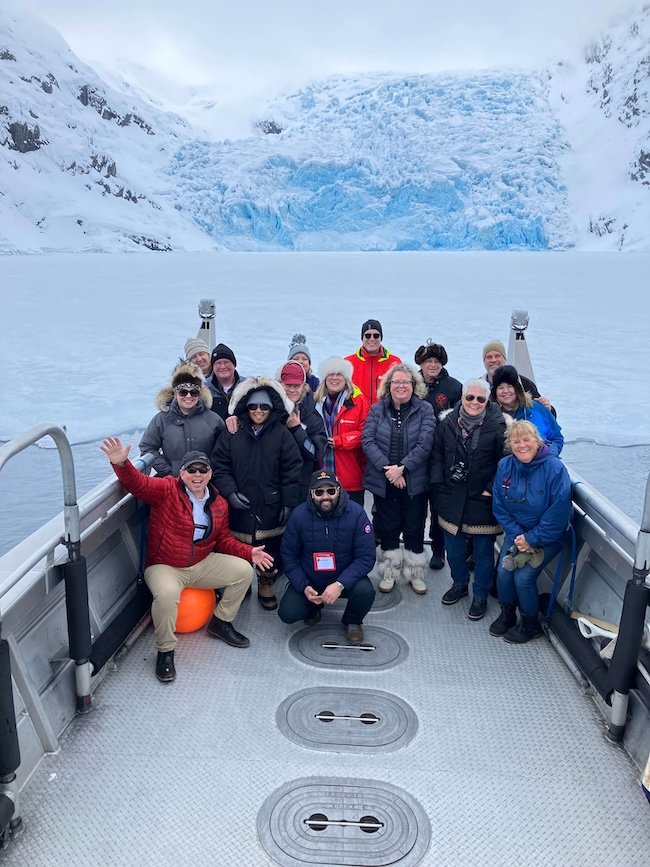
pixel 517 347
pixel 207 330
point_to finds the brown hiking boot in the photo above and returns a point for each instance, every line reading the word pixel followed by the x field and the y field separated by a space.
pixel 265 594
pixel 353 633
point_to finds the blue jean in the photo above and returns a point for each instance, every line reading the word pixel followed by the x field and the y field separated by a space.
pixel 520 586
pixel 456 548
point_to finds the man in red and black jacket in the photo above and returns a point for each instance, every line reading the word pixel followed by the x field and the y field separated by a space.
pixel 371 361
pixel 189 545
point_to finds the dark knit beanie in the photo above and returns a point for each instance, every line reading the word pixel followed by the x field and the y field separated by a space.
pixel 507 374
pixel 223 351
pixel 372 323
pixel 431 350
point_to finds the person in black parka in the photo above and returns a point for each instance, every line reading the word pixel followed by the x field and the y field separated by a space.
pixel 468 445
pixel 258 470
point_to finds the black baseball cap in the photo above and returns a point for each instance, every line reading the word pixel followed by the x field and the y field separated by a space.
pixel 195 457
pixel 322 477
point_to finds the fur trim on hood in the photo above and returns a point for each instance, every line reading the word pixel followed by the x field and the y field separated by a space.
pixel 282 406
pixel 191 372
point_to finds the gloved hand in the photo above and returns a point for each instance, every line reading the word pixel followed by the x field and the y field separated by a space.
pixel 285 511
pixel 238 501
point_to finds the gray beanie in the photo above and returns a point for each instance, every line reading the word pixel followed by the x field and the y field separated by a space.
pixel 194 345
pixel 260 395
pixel 298 344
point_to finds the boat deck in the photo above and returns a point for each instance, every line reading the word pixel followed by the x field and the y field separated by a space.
pixel 502 759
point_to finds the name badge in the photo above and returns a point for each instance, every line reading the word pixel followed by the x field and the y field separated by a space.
pixel 324 561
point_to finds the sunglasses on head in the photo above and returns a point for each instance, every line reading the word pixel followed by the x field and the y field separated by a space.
pixel 197 468
pixel 265 407
pixel 372 335
pixel 479 397
pixel 320 492
pixel 188 392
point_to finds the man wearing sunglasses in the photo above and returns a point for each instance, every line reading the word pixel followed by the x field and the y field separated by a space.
pixel 371 361
pixel 328 549
pixel 189 545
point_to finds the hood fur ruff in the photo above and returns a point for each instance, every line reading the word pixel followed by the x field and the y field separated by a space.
pixel 166 394
pixel 246 386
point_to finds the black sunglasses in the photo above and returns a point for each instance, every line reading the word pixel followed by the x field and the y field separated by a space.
pixel 478 397
pixel 197 469
pixel 185 392
pixel 320 492
pixel 372 335
pixel 263 406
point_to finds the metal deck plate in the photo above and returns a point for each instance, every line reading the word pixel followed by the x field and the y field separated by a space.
pixel 325 646
pixel 327 820
pixel 383 601
pixel 342 720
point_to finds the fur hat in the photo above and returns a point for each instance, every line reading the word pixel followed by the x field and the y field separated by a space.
pixel 185 372
pixel 292 373
pixel 494 346
pixel 431 350
pixel 507 375
pixel 194 345
pixel 372 323
pixel 241 394
pixel 334 364
pixel 223 351
pixel 298 344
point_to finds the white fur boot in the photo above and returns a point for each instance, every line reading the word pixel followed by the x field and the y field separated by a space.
pixel 414 565
pixel 389 566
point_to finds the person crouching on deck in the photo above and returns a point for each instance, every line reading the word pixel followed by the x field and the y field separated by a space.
pixel 189 545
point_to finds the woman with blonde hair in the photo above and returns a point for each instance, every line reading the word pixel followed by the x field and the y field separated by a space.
pixel 531 499
pixel 397 440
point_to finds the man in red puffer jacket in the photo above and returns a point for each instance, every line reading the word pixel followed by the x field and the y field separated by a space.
pixel 371 361
pixel 189 545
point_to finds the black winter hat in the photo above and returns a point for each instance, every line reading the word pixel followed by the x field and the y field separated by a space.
pixel 507 374
pixel 223 351
pixel 372 323
pixel 431 350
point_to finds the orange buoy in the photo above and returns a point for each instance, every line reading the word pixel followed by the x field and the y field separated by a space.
pixel 195 608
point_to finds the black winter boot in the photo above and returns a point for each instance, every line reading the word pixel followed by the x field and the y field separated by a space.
pixel 505 621
pixel 165 670
pixel 527 629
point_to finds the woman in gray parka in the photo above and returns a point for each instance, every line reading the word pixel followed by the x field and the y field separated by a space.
pixel 185 421
pixel 397 440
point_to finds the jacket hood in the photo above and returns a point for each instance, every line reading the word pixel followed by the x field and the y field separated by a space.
pixel 192 372
pixel 282 406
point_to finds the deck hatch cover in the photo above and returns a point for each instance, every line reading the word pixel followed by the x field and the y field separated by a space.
pixel 347 720
pixel 324 646
pixel 343 821
pixel 383 601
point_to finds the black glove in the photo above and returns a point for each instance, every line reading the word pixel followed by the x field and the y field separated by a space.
pixel 285 511
pixel 239 501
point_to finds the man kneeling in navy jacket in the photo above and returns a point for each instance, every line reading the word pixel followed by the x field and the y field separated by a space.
pixel 328 549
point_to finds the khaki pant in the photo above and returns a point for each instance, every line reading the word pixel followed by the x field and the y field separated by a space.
pixel 217 571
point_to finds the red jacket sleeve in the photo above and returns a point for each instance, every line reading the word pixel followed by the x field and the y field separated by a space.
pixel 149 489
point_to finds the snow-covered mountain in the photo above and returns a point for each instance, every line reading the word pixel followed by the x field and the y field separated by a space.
pixel 491 160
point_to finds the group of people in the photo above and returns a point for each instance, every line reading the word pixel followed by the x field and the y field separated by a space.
pixel 273 471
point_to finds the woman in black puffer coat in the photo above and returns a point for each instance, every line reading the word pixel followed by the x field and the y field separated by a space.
pixel 258 470
pixel 468 446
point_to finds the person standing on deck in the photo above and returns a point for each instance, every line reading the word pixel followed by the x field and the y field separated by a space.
pixel 197 352
pixel 443 393
pixel 371 361
pixel 299 351
pixel 224 378
pixel 494 355
pixel 189 545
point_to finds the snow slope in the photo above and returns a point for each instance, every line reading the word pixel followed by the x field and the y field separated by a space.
pixel 476 161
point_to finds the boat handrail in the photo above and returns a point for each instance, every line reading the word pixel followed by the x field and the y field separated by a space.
pixel 43 543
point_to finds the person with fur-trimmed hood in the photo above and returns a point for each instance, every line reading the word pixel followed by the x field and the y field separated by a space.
pixel 305 423
pixel 443 393
pixel 508 391
pixel 184 423
pixel 344 410
pixel 397 440
pixel 468 446
pixel 258 470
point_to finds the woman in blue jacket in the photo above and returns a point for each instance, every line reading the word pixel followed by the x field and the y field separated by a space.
pixel 508 392
pixel 531 499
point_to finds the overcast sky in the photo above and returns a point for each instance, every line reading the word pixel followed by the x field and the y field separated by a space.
pixel 241 49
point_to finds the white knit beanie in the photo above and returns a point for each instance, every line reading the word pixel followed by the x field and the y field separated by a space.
pixel 194 345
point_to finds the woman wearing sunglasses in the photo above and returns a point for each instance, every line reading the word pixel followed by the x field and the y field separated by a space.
pixel 466 452
pixel 258 470
pixel 532 502
pixel 184 423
